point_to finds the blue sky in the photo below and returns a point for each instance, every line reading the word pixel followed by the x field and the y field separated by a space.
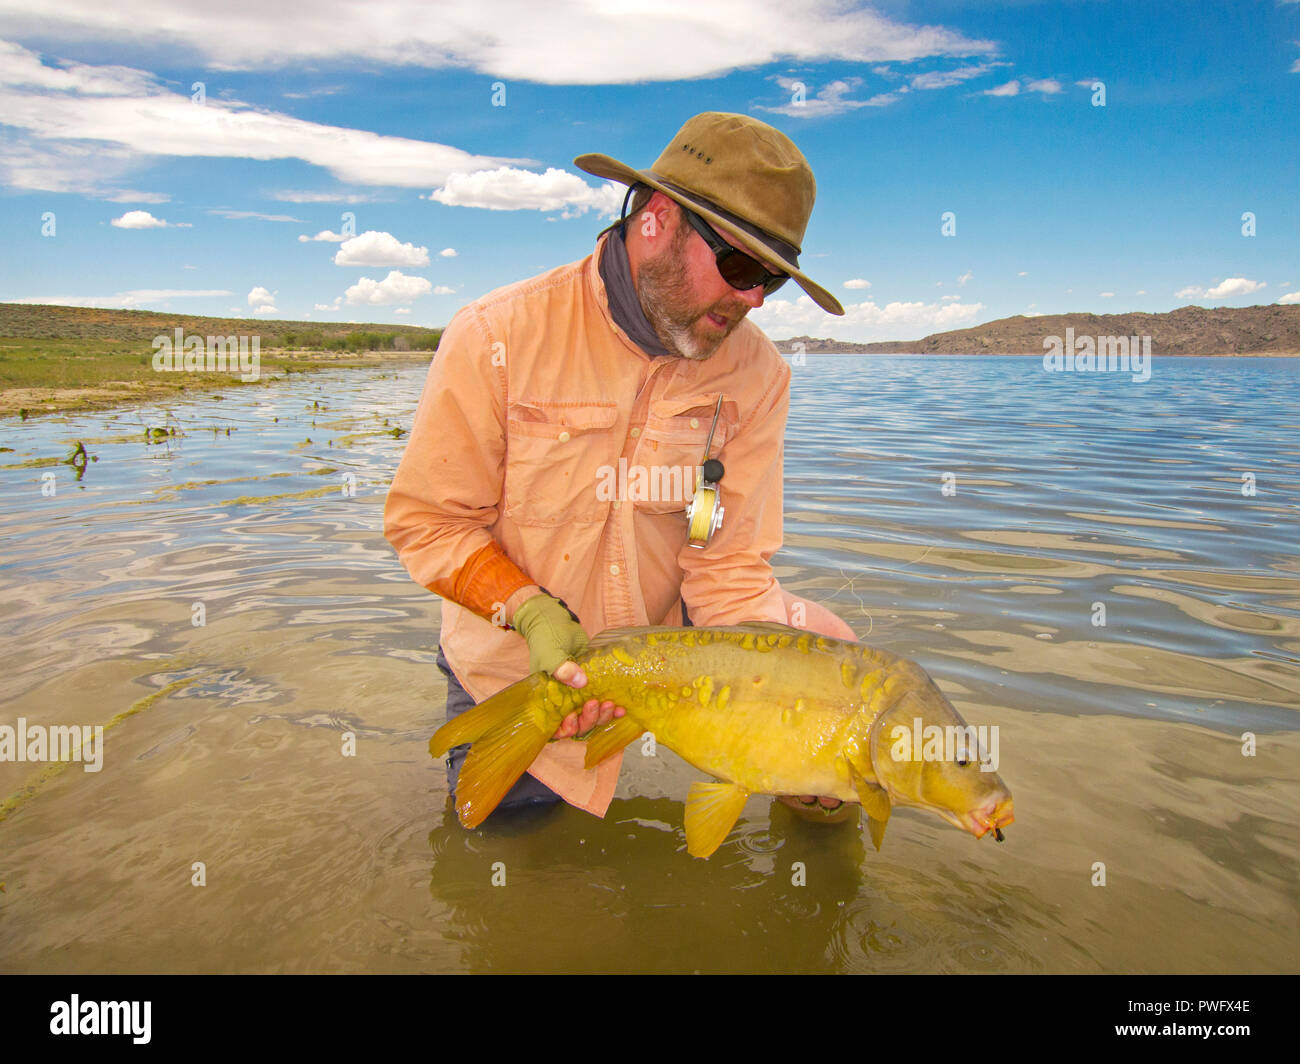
pixel 235 203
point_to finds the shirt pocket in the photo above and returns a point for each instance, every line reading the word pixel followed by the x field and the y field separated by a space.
pixel 670 451
pixel 554 452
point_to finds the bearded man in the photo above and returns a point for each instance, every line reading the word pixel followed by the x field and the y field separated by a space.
pixel 553 402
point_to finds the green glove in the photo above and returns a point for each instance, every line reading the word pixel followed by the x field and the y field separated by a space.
pixel 553 633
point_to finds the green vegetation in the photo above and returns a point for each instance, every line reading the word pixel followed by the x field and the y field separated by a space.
pixel 63 358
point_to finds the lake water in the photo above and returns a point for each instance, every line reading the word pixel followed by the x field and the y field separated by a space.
pixel 979 515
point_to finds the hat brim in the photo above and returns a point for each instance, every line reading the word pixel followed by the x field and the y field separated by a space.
pixel 604 166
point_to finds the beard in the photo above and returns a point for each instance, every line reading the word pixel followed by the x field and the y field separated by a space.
pixel 665 297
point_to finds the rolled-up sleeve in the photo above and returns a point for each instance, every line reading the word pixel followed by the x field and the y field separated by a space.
pixel 447 491
pixel 731 581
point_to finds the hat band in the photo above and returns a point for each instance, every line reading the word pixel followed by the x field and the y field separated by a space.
pixel 788 252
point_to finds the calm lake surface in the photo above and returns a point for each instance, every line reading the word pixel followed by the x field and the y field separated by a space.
pixel 979 515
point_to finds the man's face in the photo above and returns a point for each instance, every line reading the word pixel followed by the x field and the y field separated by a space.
pixel 684 297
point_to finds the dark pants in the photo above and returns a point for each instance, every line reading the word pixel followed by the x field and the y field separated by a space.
pixel 528 790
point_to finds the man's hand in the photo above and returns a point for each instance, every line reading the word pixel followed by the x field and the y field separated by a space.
pixel 554 639
pixel 593 714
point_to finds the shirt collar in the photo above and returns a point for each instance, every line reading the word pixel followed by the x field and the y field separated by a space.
pixel 624 305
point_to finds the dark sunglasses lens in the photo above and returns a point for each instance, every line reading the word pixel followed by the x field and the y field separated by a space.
pixel 774 284
pixel 740 271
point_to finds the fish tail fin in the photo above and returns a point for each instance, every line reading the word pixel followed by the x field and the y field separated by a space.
pixel 508 731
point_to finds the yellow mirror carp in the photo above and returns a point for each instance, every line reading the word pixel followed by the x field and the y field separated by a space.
pixel 761 707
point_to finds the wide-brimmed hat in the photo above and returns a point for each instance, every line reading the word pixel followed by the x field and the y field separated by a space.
pixel 742 177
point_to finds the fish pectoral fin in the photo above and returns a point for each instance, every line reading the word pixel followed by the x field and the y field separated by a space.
pixel 877 829
pixel 875 803
pixel 609 739
pixel 712 810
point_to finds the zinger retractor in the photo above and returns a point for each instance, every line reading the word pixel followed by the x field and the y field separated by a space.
pixel 704 511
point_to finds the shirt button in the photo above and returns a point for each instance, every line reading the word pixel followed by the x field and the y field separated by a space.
pixel 636 433
pixel 695 423
pixel 564 437
pixel 613 570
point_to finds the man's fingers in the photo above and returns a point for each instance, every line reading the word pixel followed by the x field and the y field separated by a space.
pixel 569 673
pixel 594 714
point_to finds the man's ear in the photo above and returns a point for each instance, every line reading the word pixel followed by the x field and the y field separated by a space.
pixel 660 216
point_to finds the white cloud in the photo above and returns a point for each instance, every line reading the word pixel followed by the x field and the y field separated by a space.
pixel 268 308
pixel 831 99
pixel 240 215
pixel 1023 273
pixel 444 290
pixel 292 196
pixel 373 248
pixel 961 281
pixel 144 220
pixel 101 121
pixel 941 79
pixel 1290 297
pixel 572 42
pixel 862 322
pixel 508 189
pixel 259 296
pixel 1228 289
pixel 402 310
pixel 1107 295
pixel 128 196
pixel 1295 67
pixel 395 288
pixel 136 297
pixel 448 253
pixel 324 234
pixel 1047 86
pixel 857 282
pixel 1011 88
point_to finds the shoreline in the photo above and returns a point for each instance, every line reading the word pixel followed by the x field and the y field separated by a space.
pixel 40 401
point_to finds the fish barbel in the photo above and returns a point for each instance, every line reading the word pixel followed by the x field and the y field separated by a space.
pixel 762 707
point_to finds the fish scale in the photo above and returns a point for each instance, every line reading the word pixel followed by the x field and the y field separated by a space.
pixel 763 708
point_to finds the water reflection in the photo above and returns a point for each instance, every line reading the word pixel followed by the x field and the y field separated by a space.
pixel 1122 741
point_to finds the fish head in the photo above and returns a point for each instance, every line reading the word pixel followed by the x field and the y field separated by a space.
pixel 925 755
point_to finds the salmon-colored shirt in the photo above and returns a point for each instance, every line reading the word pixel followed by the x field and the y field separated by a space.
pixel 544 428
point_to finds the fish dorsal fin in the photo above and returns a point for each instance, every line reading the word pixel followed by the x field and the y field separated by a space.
pixel 609 739
pixel 768 626
pixel 875 803
pixel 614 635
pixel 712 810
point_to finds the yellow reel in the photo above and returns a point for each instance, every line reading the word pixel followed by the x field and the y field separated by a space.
pixel 704 511
pixel 703 515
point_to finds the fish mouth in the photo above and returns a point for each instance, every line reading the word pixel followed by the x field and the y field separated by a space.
pixel 993 815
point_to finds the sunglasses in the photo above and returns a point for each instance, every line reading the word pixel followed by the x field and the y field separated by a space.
pixel 739 270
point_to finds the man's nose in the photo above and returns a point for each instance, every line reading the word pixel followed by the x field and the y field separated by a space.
pixel 752 296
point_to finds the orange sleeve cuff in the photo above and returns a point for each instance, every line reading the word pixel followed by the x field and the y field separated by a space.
pixel 484 582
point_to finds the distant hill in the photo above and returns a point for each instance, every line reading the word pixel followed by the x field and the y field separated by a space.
pixel 1261 330
pixel 45 322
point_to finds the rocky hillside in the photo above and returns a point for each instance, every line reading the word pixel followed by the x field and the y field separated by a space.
pixel 1262 330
